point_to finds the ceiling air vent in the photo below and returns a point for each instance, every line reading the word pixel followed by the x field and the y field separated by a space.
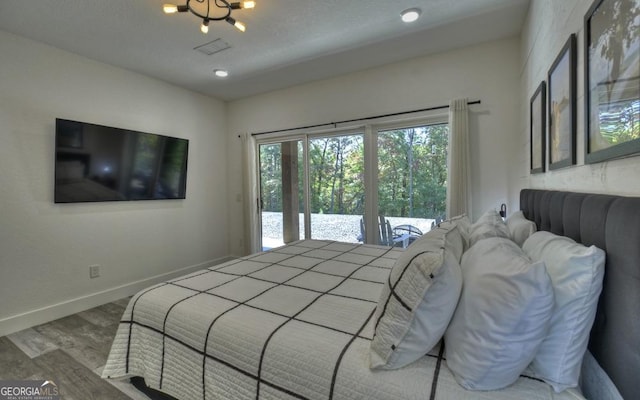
pixel 213 47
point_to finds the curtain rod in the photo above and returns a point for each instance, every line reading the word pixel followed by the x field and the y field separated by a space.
pixel 359 119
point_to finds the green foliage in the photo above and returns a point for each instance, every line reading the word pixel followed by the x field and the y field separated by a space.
pixel 271 177
pixel 336 174
pixel 412 173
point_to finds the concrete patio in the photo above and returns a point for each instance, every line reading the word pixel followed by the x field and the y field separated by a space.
pixel 340 227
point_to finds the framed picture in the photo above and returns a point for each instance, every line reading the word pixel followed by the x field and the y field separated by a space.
pixel 537 126
pixel 612 79
pixel 561 115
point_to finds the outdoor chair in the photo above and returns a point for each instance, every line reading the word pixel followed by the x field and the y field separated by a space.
pixel 386 236
pixel 409 231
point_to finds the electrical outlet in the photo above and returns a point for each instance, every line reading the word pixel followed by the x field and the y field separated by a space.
pixel 94 271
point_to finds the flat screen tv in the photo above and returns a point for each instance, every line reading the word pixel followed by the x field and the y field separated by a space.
pixel 100 163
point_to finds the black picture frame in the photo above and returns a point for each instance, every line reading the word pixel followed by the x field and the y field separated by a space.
pixel 611 80
pixel 561 115
pixel 537 128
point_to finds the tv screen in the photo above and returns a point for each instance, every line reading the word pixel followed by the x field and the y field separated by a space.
pixel 99 163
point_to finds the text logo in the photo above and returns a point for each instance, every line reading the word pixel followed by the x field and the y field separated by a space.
pixel 29 390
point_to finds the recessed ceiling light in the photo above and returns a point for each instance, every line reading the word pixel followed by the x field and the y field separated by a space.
pixel 410 15
pixel 221 73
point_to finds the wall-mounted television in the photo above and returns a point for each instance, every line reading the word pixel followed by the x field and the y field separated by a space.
pixel 100 163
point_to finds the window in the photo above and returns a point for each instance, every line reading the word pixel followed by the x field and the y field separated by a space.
pixel 336 187
pixel 327 175
pixel 412 179
pixel 281 192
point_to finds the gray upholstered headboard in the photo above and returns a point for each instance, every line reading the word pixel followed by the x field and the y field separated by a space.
pixel 612 223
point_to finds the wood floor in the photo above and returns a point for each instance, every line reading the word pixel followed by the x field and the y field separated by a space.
pixel 72 352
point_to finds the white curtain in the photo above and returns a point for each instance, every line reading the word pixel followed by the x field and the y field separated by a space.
pixel 250 190
pixel 459 185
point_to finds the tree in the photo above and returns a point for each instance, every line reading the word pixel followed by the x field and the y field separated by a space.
pixel 271 177
pixel 335 175
pixel 412 173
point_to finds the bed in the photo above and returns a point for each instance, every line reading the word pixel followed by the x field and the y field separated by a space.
pixel 297 322
pixel 612 223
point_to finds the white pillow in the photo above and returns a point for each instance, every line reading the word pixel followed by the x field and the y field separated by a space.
pixel 502 316
pixel 520 228
pixel 490 224
pixel 464 225
pixel 426 282
pixel 576 273
pixel 462 221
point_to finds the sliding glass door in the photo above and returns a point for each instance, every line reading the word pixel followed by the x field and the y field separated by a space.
pixel 412 181
pixel 401 172
pixel 281 192
pixel 336 187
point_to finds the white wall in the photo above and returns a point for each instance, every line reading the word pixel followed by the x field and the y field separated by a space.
pixel 488 72
pixel 548 26
pixel 46 248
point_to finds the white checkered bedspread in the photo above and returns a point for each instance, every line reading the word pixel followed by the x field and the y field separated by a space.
pixel 291 323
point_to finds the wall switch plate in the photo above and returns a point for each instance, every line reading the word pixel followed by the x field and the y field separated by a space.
pixel 94 271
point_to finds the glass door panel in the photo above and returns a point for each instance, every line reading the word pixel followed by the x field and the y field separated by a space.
pixel 281 188
pixel 412 182
pixel 336 187
pixel 271 195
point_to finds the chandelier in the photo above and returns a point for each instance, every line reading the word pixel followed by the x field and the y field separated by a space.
pixel 211 10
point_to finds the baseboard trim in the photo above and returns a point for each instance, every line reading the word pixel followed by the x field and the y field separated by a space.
pixel 52 312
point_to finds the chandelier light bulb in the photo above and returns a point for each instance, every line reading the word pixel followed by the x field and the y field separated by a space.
pixel 170 8
pixel 248 4
pixel 205 26
pixel 240 26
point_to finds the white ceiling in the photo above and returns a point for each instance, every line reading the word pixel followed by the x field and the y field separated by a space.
pixel 287 42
